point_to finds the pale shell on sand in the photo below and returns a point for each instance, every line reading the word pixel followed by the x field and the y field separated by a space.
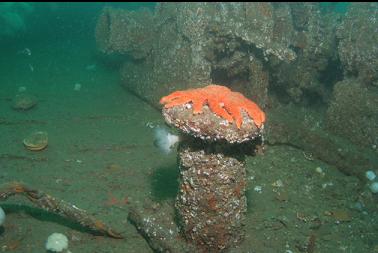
pixel 24 101
pixel 36 141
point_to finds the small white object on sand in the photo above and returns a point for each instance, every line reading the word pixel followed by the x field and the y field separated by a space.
pixel 21 89
pixel 374 187
pixel 370 175
pixel 57 242
pixel 77 87
pixel 91 67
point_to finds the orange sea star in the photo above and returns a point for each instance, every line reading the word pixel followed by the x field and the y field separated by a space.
pixel 221 100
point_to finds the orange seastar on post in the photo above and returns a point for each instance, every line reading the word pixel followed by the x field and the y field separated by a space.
pixel 221 101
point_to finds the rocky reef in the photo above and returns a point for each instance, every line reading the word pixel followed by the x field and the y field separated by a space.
pixel 357 43
pixel 313 71
pixel 303 56
pixel 353 112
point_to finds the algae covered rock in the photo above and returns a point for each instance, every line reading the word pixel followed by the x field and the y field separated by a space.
pixel 353 112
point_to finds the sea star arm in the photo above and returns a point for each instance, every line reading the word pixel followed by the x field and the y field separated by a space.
pixel 174 95
pixel 217 107
pixel 233 103
pixel 255 113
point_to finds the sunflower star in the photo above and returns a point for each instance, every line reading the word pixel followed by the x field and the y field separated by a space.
pixel 221 101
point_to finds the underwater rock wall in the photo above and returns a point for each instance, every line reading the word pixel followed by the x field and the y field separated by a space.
pixel 126 32
pixel 353 110
pixel 274 53
pixel 199 43
pixel 358 42
pixel 353 113
pixel 302 81
pixel 292 50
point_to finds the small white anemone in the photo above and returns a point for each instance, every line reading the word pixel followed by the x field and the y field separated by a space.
pixel 370 175
pixel 374 187
pixel 164 140
pixel 57 242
